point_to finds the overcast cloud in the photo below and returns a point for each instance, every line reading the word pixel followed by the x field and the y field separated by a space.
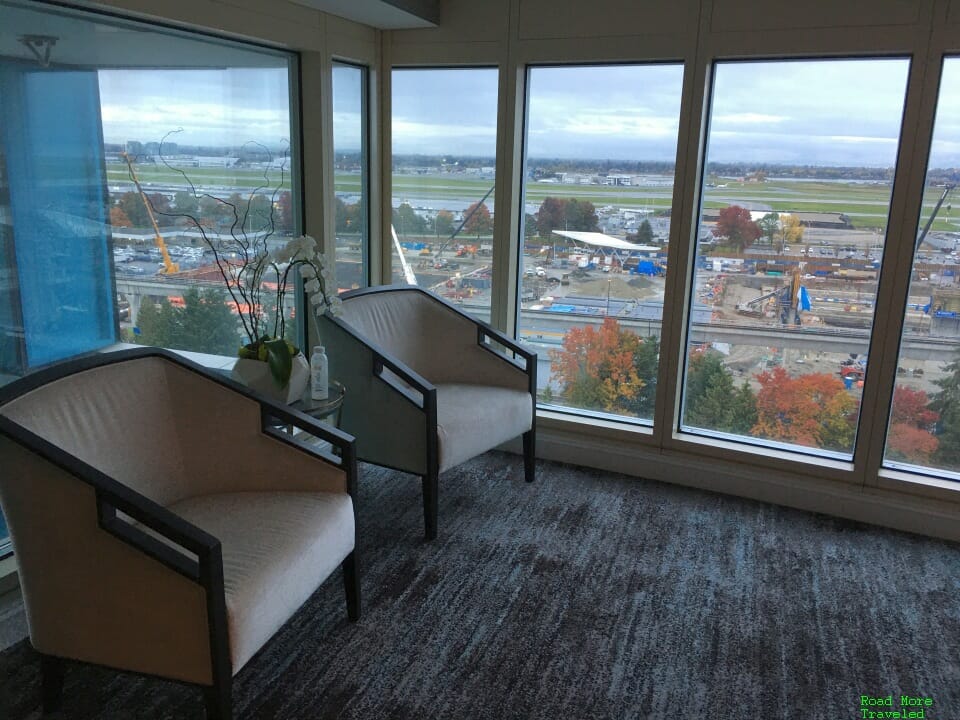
pixel 214 107
pixel 833 112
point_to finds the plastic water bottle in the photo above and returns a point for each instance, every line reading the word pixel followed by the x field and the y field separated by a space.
pixel 319 374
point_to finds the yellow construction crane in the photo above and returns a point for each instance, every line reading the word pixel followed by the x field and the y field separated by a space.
pixel 169 266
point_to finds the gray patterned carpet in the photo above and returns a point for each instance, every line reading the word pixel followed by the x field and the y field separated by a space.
pixel 585 595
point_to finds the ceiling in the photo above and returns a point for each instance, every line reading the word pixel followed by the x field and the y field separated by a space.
pixel 382 14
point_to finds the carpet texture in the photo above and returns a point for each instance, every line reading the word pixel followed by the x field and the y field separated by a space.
pixel 584 595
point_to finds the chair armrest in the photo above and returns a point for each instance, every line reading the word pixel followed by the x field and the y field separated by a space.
pixel 182 564
pixel 384 360
pixel 529 366
pixel 388 406
pixel 113 496
pixel 347 459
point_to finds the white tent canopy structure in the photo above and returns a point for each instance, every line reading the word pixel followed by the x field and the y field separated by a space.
pixel 600 240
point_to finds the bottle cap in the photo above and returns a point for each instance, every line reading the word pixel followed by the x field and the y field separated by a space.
pixel 318 349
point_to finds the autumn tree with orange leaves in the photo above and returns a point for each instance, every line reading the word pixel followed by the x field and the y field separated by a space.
pixel 479 221
pixel 607 368
pixel 812 410
pixel 118 218
pixel 911 421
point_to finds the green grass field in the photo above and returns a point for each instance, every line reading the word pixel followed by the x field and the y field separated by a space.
pixel 865 204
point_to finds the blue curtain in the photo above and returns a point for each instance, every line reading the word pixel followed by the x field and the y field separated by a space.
pixel 53 149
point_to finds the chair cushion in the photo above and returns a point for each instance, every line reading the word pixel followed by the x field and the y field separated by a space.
pixel 277 549
pixel 472 419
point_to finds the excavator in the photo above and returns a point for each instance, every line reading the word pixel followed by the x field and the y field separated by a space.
pixel 168 265
pixel 789 301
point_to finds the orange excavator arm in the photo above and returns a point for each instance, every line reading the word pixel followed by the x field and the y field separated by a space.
pixel 168 265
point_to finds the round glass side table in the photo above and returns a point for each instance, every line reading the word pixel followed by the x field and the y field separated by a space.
pixel 323 409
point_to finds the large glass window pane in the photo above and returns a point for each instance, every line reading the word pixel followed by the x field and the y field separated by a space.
pixel 795 196
pixel 924 425
pixel 95 249
pixel 444 127
pixel 350 176
pixel 111 175
pixel 601 143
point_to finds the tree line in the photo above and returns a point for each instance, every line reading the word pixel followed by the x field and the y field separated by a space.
pixel 248 213
pixel 608 368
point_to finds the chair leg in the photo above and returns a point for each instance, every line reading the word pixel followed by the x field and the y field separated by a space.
pixel 52 670
pixel 430 487
pixel 351 584
pixel 218 699
pixel 530 454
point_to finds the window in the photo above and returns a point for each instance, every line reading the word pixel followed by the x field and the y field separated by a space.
pixel 94 251
pixel 924 424
pixel 350 175
pixel 797 181
pixel 444 152
pixel 601 142
pixel 107 165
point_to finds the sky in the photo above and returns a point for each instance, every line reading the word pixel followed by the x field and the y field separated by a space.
pixel 214 107
pixel 837 112
pixel 820 112
pixel 825 112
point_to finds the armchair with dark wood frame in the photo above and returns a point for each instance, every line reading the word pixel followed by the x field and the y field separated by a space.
pixel 430 386
pixel 119 556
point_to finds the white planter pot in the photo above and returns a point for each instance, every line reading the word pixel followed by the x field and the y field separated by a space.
pixel 255 374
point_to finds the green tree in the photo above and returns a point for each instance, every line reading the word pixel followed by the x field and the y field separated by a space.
pixel 529 225
pixel 155 323
pixel 260 213
pixel 644 234
pixel 712 402
pixel 444 223
pixel 204 323
pixel 185 203
pixel 347 217
pixel 769 224
pixel 581 215
pixel 407 222
pixel 646 363
pixel 946 402
pixel 215 214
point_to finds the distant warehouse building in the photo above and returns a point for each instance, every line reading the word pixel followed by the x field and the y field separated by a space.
pixel 836 221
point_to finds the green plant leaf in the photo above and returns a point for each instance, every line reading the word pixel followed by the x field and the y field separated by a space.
pixel 280 361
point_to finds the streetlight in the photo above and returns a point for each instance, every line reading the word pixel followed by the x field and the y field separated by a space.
pixel 609 280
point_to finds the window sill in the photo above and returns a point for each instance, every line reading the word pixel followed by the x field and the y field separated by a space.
pixel 765 456
pixel 917 484
pixel 8 574
pixel 599 427
pixel 213 362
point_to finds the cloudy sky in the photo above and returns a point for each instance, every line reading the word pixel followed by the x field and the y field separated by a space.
pixel 214 107
pixel 836 112
pixel 839 112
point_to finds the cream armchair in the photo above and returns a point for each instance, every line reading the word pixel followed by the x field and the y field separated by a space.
pixel 428 387
pixel 160 521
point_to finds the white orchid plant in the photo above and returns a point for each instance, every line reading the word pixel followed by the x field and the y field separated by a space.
pixel 247 264
pixel 300 256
